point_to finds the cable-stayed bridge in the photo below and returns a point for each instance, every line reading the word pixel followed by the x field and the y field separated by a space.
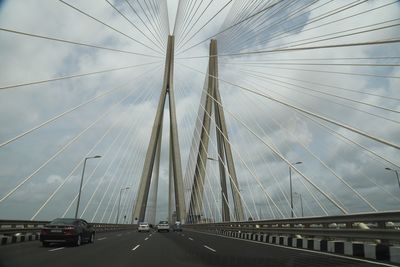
pixel 270 129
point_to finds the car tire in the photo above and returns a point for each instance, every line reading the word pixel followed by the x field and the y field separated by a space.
pixel 78 241
pixel 91 238
pixel 45 244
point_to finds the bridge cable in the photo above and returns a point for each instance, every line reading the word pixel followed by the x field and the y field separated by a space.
pixel 77 166
pixel 377 139
pixel 158 33
pixel 157 38
pixel 204 25
pixel 60 115
pixel 108 26
pixel 162 50
pixel 331 86
pixel 74 76
pixel 77 43
pixel 328 94
pixel 194 24
pixel 318 18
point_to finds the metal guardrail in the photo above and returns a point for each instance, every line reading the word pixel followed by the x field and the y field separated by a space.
pixel 12 227
pixel 382 225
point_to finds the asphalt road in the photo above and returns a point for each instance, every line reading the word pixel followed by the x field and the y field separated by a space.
pixel 188 249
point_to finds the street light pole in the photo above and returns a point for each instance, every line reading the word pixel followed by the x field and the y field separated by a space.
pixel 301 203
pixel 291 189
pixel 80 186
pixel 119 202
pixel 397 174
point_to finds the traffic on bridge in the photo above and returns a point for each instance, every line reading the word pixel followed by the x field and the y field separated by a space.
pixel 199 133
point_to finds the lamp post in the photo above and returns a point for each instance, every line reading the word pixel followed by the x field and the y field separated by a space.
pixel 80 186
pixel 301 203
pixel 119 201
pixel 291 190
pixel 397 174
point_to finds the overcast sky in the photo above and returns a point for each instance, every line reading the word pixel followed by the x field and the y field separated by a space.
pixel 354 85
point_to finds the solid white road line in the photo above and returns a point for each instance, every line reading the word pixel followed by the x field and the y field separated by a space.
pixel 207 247
pixel 55 249
pixel 191 239
pixel 136 247
pixel 101 238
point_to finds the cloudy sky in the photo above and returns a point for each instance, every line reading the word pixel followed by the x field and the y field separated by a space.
pixel 281 81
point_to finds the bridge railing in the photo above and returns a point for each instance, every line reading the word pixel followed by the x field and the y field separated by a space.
pixel 384 226
pixel 12 227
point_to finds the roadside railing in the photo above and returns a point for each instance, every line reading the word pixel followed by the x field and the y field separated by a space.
pixel 383 226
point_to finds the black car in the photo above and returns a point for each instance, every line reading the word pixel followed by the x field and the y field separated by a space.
pixel 71 231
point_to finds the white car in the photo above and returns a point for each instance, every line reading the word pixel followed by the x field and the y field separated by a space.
pixel 144 227
pixel 163 226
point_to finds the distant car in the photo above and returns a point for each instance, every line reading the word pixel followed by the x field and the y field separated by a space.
pixel 163 226
pixel 144 227
pixel 177 227
pixel 72 231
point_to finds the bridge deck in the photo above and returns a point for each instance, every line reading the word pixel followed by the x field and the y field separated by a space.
pixel 129 248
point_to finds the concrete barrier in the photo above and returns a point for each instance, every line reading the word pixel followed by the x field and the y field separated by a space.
pixel 336 246
pixel 394 254
pixel 297 242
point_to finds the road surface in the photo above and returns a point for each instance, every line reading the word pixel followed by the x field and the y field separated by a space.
pixel 186 249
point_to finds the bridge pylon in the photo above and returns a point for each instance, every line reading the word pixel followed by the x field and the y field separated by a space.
pixel 225 158
pixel 139 210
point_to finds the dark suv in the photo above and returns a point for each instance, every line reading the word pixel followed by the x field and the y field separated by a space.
pixel 62 230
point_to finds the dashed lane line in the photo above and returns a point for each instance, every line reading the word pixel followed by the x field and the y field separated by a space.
pixel 55 249
pixel 191 239
pixel 135 247
pixel 99 239
pixel 146 239
pixel 207 247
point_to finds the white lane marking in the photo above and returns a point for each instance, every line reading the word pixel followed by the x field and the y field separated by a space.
pixel 101 238
pixel 207 247
pixel 191 239
pixel 119 235
pixel 303 250
pixel 149 235
pixel 183 235
pixel 56 249
pixel 146 239
pixel 136 247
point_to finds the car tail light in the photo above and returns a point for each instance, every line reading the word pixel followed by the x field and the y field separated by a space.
pixel 69 230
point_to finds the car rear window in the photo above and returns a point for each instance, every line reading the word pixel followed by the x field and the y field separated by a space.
pixel 64 221
pixel 163 222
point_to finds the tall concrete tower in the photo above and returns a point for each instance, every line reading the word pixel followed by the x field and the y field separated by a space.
pixel 213 98
pixel 139 210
